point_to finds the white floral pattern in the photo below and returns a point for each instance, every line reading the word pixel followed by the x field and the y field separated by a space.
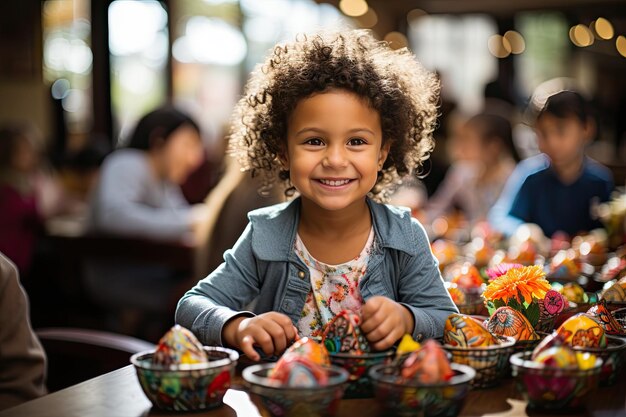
pixel 335 288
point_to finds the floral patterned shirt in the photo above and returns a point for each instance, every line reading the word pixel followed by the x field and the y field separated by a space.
pixel 335 288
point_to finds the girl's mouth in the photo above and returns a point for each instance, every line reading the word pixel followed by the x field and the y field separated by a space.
pixel 334 183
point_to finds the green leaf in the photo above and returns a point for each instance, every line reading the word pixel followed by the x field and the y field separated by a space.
pixel 532 313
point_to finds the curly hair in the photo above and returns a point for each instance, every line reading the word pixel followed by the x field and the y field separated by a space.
pixel 392 82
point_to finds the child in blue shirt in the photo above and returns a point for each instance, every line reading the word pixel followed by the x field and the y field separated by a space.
pixel 338 118
pixel 560 197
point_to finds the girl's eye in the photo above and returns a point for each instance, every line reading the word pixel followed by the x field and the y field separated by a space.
pixel 356 142
pixel 314 142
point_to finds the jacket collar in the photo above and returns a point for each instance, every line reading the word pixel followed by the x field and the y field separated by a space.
pixel 274 229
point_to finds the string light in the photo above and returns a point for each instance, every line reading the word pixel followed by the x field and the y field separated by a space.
pixel 516 41
pixel 369 19
pixel 499 46
pixel 603 28
pixel 396 40
pixel 581 35
pixel 620 43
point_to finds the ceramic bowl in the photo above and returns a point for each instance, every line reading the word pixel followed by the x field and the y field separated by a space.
pixel 187 387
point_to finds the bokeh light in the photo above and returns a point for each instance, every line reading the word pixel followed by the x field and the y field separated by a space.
pixel 620 44
pixel 581 36
pixel 353 8
pixel 603 28
pixel 516 41
pixel 499 46
pixel 396 40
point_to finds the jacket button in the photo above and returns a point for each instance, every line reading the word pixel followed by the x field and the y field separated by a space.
pixel 301 274
pixel 289 306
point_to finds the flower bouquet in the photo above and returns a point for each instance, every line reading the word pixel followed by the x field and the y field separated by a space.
pixel 525 289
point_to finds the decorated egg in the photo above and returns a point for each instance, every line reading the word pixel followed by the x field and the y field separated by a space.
pixel 552 340
pixel 552 304
pixel 179 346
pixel 467 276
pixel 428 365
pixel 573 292
pixel 302 365
pixel 616 292
pixel 582 330
pixel 604 317
pixel 557 357
pixel 464 331
pixel 506 321
pixel 343 334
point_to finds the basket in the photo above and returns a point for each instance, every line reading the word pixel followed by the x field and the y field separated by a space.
pixel 553 389
pixel 490 362
pixel 613 357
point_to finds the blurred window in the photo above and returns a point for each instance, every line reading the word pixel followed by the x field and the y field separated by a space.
pixel 68 59
pixel 139 48
pixel 456 47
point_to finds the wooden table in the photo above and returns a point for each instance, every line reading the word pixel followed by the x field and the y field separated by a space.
pixel 118 393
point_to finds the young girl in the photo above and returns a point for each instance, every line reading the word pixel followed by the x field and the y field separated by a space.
pixel 338 117
pixel 484 157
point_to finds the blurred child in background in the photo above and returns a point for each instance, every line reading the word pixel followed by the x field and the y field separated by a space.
pixel 484 156
pixel 560 197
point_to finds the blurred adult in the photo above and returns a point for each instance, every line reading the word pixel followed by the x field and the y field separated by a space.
pixel 138 195
pixel 21 218
pixel 22 359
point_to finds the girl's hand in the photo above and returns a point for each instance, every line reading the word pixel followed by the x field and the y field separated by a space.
pixel 385 321
pixel 272 332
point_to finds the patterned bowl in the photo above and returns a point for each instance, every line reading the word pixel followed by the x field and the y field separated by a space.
pixel 281 401
pixel 360 385
pixel 490 362
pixel 412 398
pixel 613 357
pixel 554 389
pixel 187 387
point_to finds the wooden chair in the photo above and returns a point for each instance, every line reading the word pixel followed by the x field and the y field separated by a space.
pixel 75 354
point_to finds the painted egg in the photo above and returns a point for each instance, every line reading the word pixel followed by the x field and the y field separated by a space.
pixel 464 331
pixel 179 346
pixel 428 365
pixel 558 357
pixel 582 330
pixel 573 292
pixel 302 365
pixel 553 303
pixel 343 334
pixel 467 276
pixel 616 292
pixel 603 316
pixel 552 340
pixel 506 321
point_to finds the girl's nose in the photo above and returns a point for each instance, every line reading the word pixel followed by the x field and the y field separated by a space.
pixel 335 157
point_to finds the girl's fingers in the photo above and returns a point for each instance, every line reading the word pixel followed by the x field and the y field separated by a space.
pixel 247 346
pixel 386 342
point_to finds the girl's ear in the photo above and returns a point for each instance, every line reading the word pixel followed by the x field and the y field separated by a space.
pixel 382 155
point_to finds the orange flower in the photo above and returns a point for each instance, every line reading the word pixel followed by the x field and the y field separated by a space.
pixel 527 282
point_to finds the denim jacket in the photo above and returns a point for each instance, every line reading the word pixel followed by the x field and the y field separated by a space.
pixel 263 273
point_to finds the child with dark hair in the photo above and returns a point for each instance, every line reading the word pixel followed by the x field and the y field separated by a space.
pixel 484 155
pixel 138 193
pixel 337 118
pixel 560 197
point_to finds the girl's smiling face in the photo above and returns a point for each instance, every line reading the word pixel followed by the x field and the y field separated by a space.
pixel 334 149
